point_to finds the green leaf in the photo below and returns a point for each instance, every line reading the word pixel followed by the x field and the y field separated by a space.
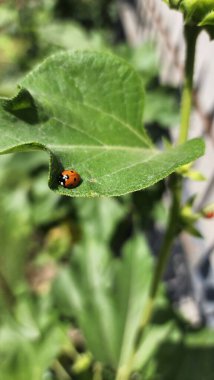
pixel 131 293
pixel 8 16
pixel 107 213
pixel 208 19
pixel 196 13
pixel 153 337
pixel 69 35
pixel 85 109
pixel 106 296
pixel 143 58
pixel 161 108
pixel 84 292
pixel 188 358
pixel 30 343
pixel 15 227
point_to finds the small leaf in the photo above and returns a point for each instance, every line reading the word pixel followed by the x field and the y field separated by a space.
pixel 193 231
pixel 195 175
pixel 188 172
pixel 196 13
pixel 85 109
pixel 82 363
pixel 152 339
pixel 208 19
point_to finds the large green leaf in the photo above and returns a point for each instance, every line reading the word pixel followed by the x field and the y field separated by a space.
pixel 86 110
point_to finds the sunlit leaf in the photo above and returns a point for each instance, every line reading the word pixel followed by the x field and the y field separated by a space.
pixel 85 109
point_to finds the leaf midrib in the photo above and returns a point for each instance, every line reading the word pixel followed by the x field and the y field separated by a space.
pixel 127 167
pixel 127 125
pixel 140 135
pixel 102 147
pixel 97 109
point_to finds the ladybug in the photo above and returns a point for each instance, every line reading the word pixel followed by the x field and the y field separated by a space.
pixel 69 178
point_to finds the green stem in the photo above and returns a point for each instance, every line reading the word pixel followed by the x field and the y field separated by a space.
pixel 98 370
pixel 8 295
pixel 171 232
pixel 165 250
pixel 60 371
pixel 172 228
pixel 191 34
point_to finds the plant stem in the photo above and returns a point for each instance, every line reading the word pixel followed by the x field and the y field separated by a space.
pixel 165 250
pixel 191 34
pixel 171 232
pixel 8 295
pixel 172 228
pixel 98 369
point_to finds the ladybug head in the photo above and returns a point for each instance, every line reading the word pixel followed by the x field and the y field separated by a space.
pixel 63 178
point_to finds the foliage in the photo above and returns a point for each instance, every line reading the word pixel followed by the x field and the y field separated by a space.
pixel 30 341
pixel 196 13
pixel 93 13
pixel 115 292
pixel 98 129
pixel 75 272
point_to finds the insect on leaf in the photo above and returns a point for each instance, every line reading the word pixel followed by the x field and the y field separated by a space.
pixel 85 109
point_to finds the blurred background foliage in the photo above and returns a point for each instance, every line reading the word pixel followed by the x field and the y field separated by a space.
pixel 74 273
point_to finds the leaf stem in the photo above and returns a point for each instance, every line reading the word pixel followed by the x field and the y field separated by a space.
pixel 191 34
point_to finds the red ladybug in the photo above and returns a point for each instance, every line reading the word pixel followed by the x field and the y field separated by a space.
pixel 69 178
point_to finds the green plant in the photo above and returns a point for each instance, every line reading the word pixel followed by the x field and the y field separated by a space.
pixel 85 110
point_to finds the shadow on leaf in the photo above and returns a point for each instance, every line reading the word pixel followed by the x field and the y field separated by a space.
pixel 24 108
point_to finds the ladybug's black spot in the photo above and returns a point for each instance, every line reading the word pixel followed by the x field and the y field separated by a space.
pixel 71 171
pixel 75 179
